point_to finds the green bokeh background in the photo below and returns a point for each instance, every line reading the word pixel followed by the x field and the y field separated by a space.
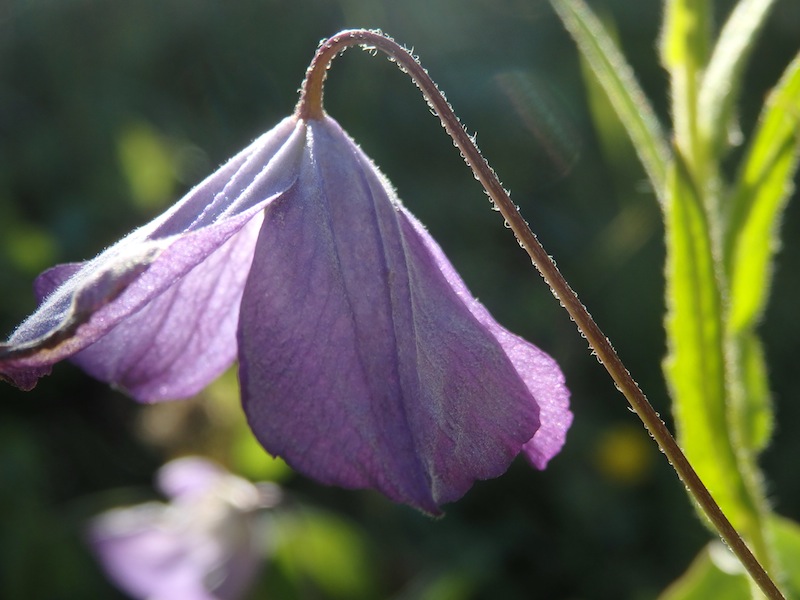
pixel 110 110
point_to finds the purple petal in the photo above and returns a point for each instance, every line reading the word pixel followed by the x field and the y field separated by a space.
pixel 189 477
pixel 156 313
pixel 363 359
pixel 200 552
pixel 145 556
pixel 185 337
pixel 538 370
pixel 199 547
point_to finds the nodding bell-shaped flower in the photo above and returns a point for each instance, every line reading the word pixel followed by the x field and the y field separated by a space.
pixel 203 545
pixel 363 359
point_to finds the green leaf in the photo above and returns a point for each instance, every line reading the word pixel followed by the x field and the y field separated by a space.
pixel 685 42
pixel 762 188
pixel 787 542
pixel 695 365
pixel 755 420
pixel 325 550
pixel 705 579
pixel 759 196
pixel 618 81
pixel 720 87
pixel 716 573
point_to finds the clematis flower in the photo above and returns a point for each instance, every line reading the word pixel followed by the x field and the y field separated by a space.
pixel 202 545
pixel 363 359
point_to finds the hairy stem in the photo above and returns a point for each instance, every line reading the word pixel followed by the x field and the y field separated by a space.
pixel 310 107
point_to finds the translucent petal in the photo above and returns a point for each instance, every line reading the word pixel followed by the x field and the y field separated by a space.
pixel 202 546
pixel 364 362
pixel 156 313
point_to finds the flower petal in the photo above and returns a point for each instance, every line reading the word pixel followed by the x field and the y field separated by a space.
pixel 204 551
pixel 201 546
pixel 538 370
pixel 146 555
pixel 363 361
pixel 189 477
pixel 184 338
pixel 156 312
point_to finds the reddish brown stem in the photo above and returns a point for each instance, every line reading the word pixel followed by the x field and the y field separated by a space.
pixel 310 107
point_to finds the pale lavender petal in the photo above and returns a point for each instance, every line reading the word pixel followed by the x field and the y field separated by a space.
pixel 361 360
pixel 538 370
pixel 47 281
pixel 156 312
pixel 154 550
pixel 47 336
pixel 184 338
pixel 146 557
pixel 189 477
pixel 201 546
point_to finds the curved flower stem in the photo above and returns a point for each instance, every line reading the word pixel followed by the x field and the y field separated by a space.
pixel 310 107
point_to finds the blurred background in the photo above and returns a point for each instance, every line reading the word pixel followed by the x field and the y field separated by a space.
pixel 111 110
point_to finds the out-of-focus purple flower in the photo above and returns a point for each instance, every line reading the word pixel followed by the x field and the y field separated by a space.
pixel 203 545
pixel 363 359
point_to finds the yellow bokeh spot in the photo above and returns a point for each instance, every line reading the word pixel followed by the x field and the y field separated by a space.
pixel 624 454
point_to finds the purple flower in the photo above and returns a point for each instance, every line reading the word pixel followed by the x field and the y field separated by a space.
pixel 201 546
pixel 363 359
